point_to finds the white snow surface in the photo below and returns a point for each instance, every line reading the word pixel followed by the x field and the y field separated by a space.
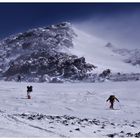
pixel 64 101
pixel 95 52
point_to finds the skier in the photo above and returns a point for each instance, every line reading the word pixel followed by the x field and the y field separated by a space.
pixel 29 90
pixel 112 99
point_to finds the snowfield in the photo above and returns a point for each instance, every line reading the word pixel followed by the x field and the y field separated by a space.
pixel 69 110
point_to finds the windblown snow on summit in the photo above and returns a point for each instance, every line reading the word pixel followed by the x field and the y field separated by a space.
pixel 95 51
pixel 58 53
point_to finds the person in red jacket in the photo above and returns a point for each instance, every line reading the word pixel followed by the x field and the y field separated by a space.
pixel 112 99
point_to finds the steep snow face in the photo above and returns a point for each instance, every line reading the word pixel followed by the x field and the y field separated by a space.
pixel 95 52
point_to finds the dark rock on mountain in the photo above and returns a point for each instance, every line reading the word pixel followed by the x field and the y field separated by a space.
pixel 41 55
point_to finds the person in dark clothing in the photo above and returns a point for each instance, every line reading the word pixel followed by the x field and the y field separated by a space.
pixel 19 78
pixel 112 99
pixel 29 90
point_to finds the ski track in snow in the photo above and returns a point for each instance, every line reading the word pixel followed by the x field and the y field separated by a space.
pixel 69 110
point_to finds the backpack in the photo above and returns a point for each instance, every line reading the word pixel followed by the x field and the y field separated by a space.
pixel 112 97
pixel 29 88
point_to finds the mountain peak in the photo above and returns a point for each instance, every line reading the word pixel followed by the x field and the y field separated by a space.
pixel 64 24
pixel 39 52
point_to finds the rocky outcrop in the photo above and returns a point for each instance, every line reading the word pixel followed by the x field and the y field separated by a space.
pixel 40 52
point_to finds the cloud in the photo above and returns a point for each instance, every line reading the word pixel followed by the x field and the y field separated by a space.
pixel 122 28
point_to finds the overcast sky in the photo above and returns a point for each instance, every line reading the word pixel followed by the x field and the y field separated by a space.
pixel 113 21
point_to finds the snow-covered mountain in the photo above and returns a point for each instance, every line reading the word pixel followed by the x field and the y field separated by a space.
pixel 58 53
pixel 42 54
pixel 100 53
pixel 64 53
pixel 131 56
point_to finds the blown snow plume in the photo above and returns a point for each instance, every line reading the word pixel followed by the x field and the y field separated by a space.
pixel 42 54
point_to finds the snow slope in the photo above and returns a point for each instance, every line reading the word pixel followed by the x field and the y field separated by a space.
pixel 69 110
pixel 95 52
